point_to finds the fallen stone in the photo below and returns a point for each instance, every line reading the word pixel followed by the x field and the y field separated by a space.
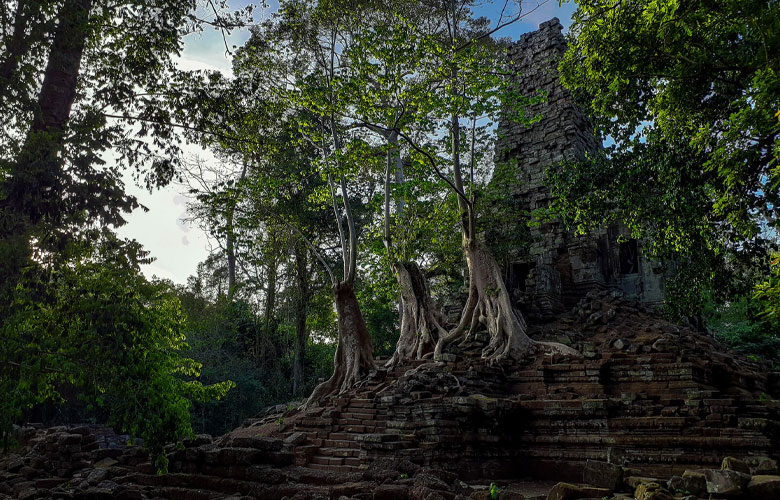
pixel 644 490
pixel 429 481
pixel 107 453
pixel 296 438
pixel 764 487
pixel 13 464
pixel 391 492
pixel 66 439
pixel 567 491
pixel 97 475
pixel 29 493
pixel 105 463
pixel 726 482
pixel 198 440
pixel 634 481
pixel 96 493
pixel 735 464
pixel 258 443
pixel 603 475
pixel 693 484
pixel 655 495
pixel 766 466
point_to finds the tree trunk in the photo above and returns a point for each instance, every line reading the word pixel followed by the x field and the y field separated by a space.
pixel 354 355
pixel 33 189
pixel 230 242
pixel 489 306
pixel 420 317
pixel 270 296
pixel 264 337
pixel 16 47
pixel 231 255
pixel 30 27
pixel 301 333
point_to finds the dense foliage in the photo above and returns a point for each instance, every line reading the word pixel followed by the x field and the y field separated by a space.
pixel 354 143
pixel 97 324
pixel 687 96
pixel 79 78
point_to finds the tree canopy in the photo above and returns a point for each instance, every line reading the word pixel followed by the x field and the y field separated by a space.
pixel 702 75
pixel 687 96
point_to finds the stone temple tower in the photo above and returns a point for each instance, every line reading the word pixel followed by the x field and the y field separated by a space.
pixel 561 267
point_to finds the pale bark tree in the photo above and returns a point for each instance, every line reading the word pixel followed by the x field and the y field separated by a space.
pixel 488 305
pixel 420 317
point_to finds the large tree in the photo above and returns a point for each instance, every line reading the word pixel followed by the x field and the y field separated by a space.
pixel 297 58
pixel 466 83
pixel 688 94
pixel 79 75
pixel 702 74
pixel 381 87
pixel 75 77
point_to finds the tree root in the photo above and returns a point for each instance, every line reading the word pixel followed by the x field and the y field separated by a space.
pixel 489 305
pixel 354 357
pixel 420 317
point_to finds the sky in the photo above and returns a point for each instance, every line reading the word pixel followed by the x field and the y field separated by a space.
pixel 178 246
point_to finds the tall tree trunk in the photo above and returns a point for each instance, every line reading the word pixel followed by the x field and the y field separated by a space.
pixel 354 357
pixel 230 241
pixel 301 333
pixel 16 47
pixel 33 189
pixel 269 328
pixel 488 304
pixel 420 317
pixel 231 255
pixel 29 28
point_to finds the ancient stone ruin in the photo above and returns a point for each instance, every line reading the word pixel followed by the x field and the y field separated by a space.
pixel 650 411
pixel 651 408
pixel 562 267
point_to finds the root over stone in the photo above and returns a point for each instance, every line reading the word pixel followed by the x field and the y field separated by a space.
pixel 354 357
pixel 420 317
pixel 489 305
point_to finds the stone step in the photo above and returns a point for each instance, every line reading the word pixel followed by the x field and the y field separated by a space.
pixel 360 410
pixel 344 436
pixel 340 443
pixel 360 403
pixel 181 493
pixel 326 460
pixel 338 452
pixel 200 482
pixel 339 468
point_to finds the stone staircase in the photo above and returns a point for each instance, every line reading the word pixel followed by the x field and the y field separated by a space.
pixel 660 401
pixel 337 432
pixel 646 394
pixel 338 445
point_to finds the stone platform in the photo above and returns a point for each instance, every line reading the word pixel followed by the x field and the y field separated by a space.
pixel 654 400
pixel 647 395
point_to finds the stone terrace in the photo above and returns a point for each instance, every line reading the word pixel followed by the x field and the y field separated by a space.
pixel 647 394
pixel 650 397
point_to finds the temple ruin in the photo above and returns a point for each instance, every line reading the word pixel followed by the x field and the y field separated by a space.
pixel 561 267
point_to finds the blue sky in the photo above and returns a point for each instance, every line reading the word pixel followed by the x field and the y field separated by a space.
pixel 178 246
